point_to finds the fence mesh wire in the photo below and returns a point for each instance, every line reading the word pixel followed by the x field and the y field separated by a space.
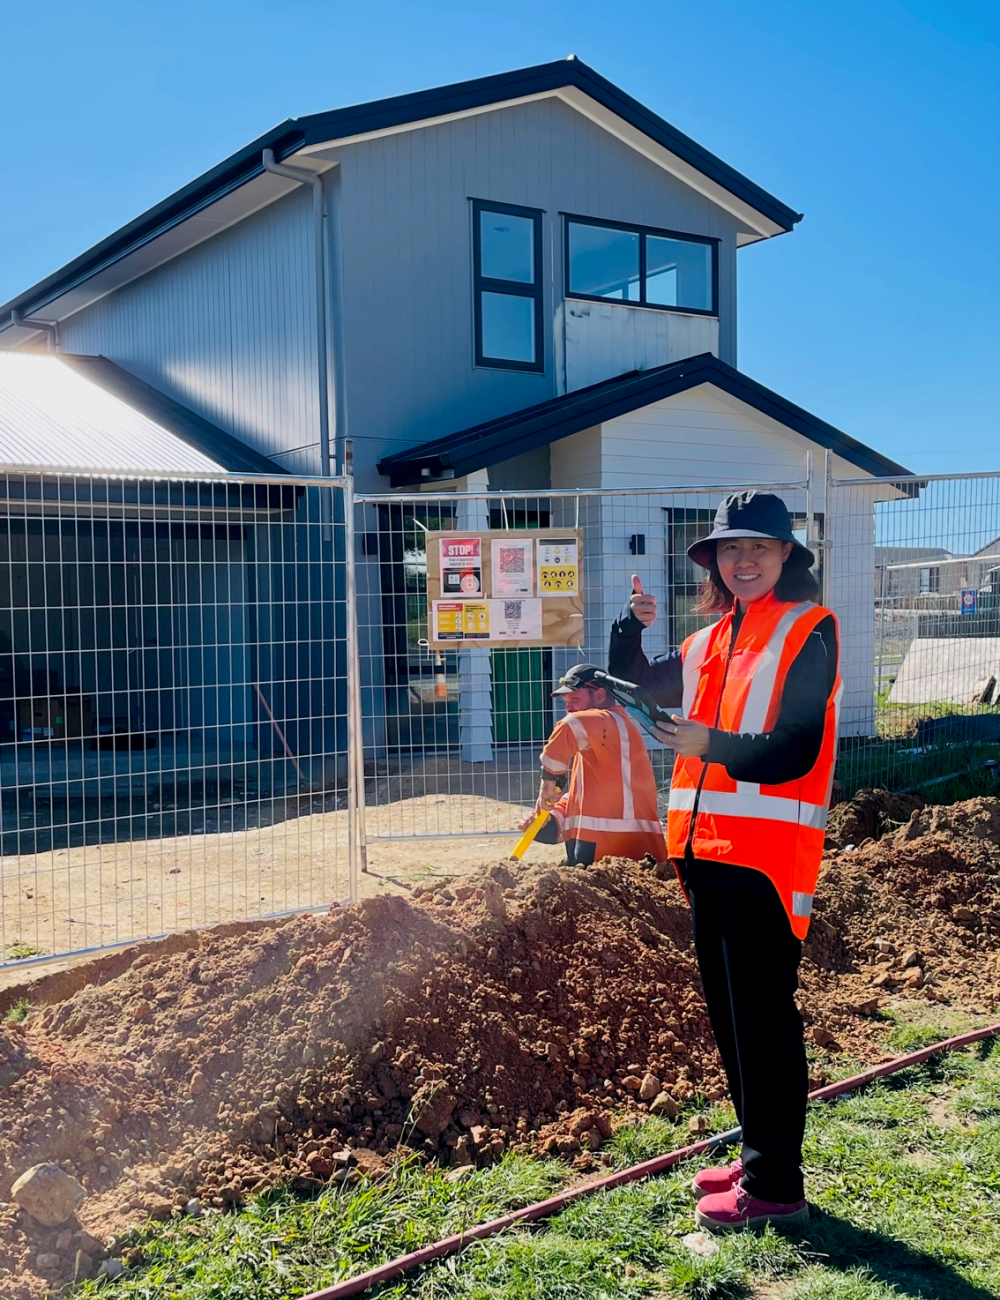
pixel 173 705
pixel 195 673
pixel 452 737
pixel 929 625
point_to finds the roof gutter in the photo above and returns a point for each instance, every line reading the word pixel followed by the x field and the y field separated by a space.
pixel 313 179
pixel 50 328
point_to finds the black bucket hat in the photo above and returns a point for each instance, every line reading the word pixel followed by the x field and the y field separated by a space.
pixel 748 514
pixel 579 676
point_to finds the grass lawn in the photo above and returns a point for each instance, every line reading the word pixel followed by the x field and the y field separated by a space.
pixel 904 1179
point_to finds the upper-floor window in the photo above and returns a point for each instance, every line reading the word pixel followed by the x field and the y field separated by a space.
pixel 651 268
pixel 507 265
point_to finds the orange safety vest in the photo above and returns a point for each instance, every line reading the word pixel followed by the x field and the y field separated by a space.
pixel 776 829
pixel 612 797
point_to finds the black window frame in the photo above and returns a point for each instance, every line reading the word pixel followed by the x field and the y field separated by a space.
pixel 570 218
pixel 514 288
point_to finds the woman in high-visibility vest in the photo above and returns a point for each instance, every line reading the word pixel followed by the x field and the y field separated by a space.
pixel 755 737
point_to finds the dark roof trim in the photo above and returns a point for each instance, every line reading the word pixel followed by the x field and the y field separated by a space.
pixel 297 133
pixel 208 438
pixel 512 435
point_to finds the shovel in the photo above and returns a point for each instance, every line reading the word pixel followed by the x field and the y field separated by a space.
pixel 523 844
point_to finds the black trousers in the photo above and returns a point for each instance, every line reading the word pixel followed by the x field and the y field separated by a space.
pixel 749 960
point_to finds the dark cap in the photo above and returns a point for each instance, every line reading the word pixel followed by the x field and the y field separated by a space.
pixel 579 676
pixel 748 514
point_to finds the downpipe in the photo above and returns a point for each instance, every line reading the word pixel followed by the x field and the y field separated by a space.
pixel 315 181
pixel 658 1165
pixel 49 327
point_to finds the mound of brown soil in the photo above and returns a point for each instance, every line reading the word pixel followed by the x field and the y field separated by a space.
pixel 513 1009
pixel 868 816
pixel 458 1024
pixel 914 913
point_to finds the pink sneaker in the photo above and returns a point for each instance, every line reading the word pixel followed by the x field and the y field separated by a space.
pixel 736 1210
pixel 709 1182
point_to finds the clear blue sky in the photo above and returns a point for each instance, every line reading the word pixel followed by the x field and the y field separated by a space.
pixel 879 120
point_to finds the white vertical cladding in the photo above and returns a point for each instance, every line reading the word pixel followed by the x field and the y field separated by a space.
pixel 575 462
pixel 705 437
pixel 700 436
pixel 229 329
pixel 607 339
pixel 850 519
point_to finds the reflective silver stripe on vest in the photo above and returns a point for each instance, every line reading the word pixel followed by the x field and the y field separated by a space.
pixel 765 673
pixel 620 825
pixel 763 807
pixel 628 804
pixel 691 666
pixel 579 731
pixel 802 904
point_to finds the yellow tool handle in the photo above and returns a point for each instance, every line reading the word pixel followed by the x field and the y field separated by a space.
pixel 521 847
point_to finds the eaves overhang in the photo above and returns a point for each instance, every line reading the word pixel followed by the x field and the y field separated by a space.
pixel 476 448
pixel 239 185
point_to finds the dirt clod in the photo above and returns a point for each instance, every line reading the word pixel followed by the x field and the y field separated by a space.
pixel 49 1195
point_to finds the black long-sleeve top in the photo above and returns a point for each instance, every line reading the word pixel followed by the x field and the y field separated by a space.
pixel 768 758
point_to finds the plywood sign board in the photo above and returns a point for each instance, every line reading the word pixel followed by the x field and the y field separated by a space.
pixel 506 588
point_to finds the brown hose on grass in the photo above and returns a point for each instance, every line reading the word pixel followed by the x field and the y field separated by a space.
pixel 542 1209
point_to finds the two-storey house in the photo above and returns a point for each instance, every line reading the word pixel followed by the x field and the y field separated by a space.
pixel 525 282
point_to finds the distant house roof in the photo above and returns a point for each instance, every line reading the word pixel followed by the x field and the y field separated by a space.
pixel 210 197
pixel 498 440
pixel 85 413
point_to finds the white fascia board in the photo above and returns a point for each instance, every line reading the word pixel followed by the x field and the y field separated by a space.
pixel 760 227
pixel 684 171
pixel 841 468
pixel 229 210
pixel 323 146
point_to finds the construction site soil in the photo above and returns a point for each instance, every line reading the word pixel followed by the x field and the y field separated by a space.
pixel 519 1007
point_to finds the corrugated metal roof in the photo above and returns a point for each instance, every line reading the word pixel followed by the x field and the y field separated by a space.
pixel 51 415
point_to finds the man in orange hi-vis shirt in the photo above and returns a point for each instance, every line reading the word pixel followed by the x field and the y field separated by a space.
pixel 610 808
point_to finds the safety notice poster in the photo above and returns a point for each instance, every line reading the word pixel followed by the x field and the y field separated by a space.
pixel 461 560
pixel 513 565
pixel 517 587
pixel 516 620
pixel 460 620
pixel 558 566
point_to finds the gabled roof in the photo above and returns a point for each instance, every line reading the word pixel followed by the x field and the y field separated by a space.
pixel 536 426
pixel 86 413
pixel 581 85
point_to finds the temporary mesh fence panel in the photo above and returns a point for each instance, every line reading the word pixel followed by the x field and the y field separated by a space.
pixel 452 736
pixel 918 561
pixel 195 673
pixel 174 698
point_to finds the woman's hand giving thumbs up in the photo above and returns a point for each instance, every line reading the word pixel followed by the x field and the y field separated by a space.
pixel 641 605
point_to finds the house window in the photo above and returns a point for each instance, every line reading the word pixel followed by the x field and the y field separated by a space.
pixel 507 264
pixel 930 580
pixel 651 268
pixel 684 577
